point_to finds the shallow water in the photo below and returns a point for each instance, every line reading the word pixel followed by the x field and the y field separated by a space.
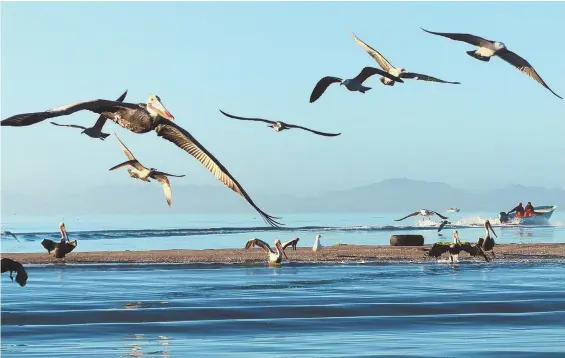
pixel 295 310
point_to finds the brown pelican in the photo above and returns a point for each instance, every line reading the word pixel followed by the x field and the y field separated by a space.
pixel 488 48
pixel 138 171
pixel 4 232
pixel 275 256
pixel 11 265
pixel 455 248
pixel 61 248
pixel 143 118
pixel 423 212
pixel 352 84
pixel 388 67
pixel 487 244
pixel 317 245
pixel 96 130
pixel 278 125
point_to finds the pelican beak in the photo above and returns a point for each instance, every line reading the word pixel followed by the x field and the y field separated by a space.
pixel 281 250
pixel 158 107
pixel 491 229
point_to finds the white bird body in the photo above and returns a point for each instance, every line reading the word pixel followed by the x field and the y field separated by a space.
pixel 317 245
pixel 275 256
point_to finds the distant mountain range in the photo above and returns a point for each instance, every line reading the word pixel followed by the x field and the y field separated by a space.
pixel 392 195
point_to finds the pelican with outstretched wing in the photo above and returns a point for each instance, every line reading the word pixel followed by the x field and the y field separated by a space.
pixel 455 248
pixel 274 256
pixel 143 118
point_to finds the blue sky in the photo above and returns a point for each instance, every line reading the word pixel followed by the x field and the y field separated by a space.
pixel 263 59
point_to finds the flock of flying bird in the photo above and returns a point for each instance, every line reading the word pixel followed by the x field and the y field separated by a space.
pixel 153 116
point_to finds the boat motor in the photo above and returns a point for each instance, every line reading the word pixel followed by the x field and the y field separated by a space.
pixel 503 217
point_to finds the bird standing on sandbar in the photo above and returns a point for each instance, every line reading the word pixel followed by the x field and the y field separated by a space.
pixel 143 118
pixel 489 48
pixel 279 126
pixel 138 171
pixel 487 243
pixel 352 84
pixel 395 71
pixel 274 256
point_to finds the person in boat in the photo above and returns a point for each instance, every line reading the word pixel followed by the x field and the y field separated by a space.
pixel 529 209
pixel 63 231
pixel 519 209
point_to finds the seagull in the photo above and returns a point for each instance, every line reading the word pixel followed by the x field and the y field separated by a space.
pixel 395 71
pixel 96 130
pixel 423 212
pixel 143 118
pixel 488 48
pixel 274 256
pixel 317 245
pixel 279 126
pixel 10 233
pixel 352 84
pixel 138 171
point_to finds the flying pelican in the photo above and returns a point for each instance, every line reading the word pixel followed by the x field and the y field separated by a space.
pixel 11 265
pixel 279 126
pixel 4 232
pixel 488 48
pixel 96 130
pixel 352 84
pixel 455 248
pixel 143 118
pixel 317 245
pixel 423 212
pixel 138 171
pixel 487 244
pixel 395 71
pixel 275 256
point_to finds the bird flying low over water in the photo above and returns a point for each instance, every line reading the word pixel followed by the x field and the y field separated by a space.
pixel 423 212
pixel 489 48
pixel 352 84
pixel 395 71
pixel 138 171
pixel 11 234
pixel 14 266
pixel 455 248
pixel 96 130
pixel 278 125
pixel 143 118
pixel 443 223
pixel 274 256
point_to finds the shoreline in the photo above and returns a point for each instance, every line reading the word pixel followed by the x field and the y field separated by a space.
pixel 547 252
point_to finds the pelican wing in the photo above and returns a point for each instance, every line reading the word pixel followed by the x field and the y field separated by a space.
pixel 524 66
pixel 155 173
pixel 258 242
pixel 468 38
pixel 418 76
pixel 438 249
pixel 184 140
pixel 101 119
pixel 381 60
pixel 290 242
pixel 313 131
pixel 369 71
pixel 247 119
pixel 409 215
pixel 95 105
pixel 321 87
pixel 166 186
pixel 441 216
pixel 68 125
pixel 474 250
pixel 134 163
pixel 125 149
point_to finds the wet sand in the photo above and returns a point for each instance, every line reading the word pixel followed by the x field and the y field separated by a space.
pixel 329 254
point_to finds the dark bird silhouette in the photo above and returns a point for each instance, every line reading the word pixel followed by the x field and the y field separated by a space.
pixel 96 130
pixel 489 48
pixel 11 234
pixel 395 71
pixel 352 84
pixel 278 125
pixel 487 244
pixel 455 248
pixel 61 249
pixel 14 266
pixel 291 243
pixel 443 223
pixel 143 118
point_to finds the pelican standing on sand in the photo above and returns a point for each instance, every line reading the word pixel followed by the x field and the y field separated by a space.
pixel 455 248
pixel 96 130
pixel 395 71
pixel 352 84
pixel 138 171
pixel 487 244
pixel 274 256
pixel 279 126
pixel 424 213
pixel 143 118
pixel 489 48
pixel 317 245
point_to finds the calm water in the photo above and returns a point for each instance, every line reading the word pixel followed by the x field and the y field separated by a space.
pixel 347 310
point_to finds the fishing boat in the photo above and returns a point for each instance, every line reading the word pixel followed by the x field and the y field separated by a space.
pixel 541 216
pixel 452 210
